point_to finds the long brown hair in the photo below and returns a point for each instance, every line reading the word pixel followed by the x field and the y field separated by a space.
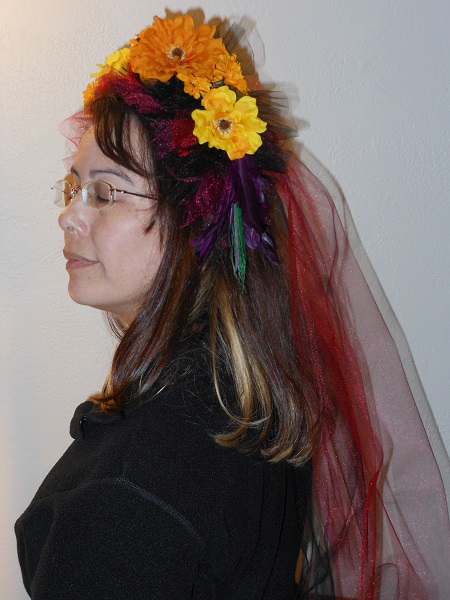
pixel 249 330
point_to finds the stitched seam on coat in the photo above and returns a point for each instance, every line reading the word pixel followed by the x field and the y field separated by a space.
pixel 168 508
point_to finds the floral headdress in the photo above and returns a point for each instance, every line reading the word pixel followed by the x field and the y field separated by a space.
pixel 217 110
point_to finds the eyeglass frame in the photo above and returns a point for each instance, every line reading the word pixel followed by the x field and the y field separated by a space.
pixel 84 198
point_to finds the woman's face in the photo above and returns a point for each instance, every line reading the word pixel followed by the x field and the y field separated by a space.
pixel 110 258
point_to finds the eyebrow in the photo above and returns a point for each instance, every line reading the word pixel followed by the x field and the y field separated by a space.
pixel 95 172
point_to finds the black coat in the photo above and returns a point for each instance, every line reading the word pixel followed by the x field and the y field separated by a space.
pixel 146 505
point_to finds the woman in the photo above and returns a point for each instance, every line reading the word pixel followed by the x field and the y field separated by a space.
pixel 242 444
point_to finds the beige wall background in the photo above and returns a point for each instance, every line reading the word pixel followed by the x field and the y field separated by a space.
pixel 372 96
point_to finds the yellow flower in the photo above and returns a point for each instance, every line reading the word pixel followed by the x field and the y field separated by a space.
pixel 117 60
pixel 229 125
pixel 229 71
pixel 170 47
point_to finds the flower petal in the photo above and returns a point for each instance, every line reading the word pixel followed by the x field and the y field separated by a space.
pixel 227 124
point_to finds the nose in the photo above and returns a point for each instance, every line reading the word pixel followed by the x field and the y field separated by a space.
pixel 74 218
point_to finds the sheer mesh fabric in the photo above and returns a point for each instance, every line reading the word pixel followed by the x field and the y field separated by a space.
pixel 378 525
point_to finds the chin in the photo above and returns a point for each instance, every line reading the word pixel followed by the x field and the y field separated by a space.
pixel 124 313
pixel 85 298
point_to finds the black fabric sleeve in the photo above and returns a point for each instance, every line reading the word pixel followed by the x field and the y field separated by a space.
pixel 111 540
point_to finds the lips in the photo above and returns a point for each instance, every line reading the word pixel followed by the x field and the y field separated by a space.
pixel 77 261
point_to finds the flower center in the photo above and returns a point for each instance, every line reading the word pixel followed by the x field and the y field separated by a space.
pixel 224 126
pixel 176 52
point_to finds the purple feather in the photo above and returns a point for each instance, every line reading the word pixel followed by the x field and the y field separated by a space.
pixel 249 192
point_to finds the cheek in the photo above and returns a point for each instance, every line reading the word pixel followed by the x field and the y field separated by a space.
pixel 127 252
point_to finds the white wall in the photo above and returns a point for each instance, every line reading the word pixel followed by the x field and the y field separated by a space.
pixel 373 94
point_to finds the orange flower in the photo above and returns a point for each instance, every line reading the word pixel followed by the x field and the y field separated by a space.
pixel 171 47
pixel 89 94
pixel 229 71
pixel 195 86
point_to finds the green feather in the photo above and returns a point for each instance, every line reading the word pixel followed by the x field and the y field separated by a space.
pixel 238 250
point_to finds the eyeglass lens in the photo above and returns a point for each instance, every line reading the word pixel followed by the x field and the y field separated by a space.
pixel 97 194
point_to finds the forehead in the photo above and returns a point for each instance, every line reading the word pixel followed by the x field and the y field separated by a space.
pixel 88 151
pixel 90 162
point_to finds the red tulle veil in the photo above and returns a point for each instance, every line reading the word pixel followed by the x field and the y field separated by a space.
pixel 378 526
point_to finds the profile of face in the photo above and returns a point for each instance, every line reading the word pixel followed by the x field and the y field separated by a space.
pixel 111 259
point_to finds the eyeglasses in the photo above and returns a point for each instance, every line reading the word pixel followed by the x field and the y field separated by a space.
pixel 96 193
